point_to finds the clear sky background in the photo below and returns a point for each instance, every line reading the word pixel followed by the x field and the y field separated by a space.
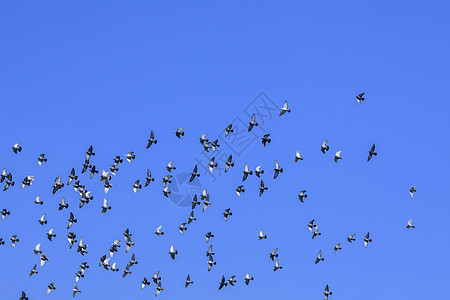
pixel 107 72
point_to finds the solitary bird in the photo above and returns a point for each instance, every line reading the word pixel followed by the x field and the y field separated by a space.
pixel 324 147
pixel 410 225
pixel 297 156
pixel 302 195
pixel 51 287
pixel 188 281
pixel 337 156
pixel 372 152
pixel 173 252
pixel 41 159
pixel 179 133
pixel 360 98
pixel 367 240
pixel 277 266
pixel 319 257
pixel 262 235
pixel 152 140
pixel 226 214
pixel 248 278
pixel 252 123
pixel 223 282
pixel 327 292
pixel 265 139
pixel 412 190
pixel 16 148
pixel 262 188
pixel 285 108
pixel 337 247
pixel 228 130
pixel 277 170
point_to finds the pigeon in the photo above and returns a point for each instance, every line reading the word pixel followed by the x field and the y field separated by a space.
pixel 252 123
pixel 86 165
pixel 133 261
pixel 412 190
pixel 173 252
pixel 166 180
pixel 145 282
pixel 72 176
pixel 228 130
pixel 9 182
pixel 71 220
pixel 273 254
pixel 90 152
pixel 311 226
pixel 262 235
pixel 105 176
pixel 231 280
pixel 207 146
pixel 118 160
pixel 156 277
pixel 41 159
pixel 128 244
pixel 5 213
pixel 4 175
pixel 152 140
pixel 262 188
pixel 211 263
pixel 44 258
pixel 51 287
pixel 126 271
pixel 215 144
pixel 195 202
pixel 410 224
pixel 285 109
pixel 337 247
pixel 82 247
pixel 277 266
pixel 194 174
pixel 302 195
pixel 37 249
pixel 27 181
pixel 188 281
pixel 316 232
pixel 136 186
pixel 265 139
pixel 206 203
pixel 114 268
pixel 228 163
pixel 360 98
pixel 367 240
pixel 75 290
pixel 208 236
pixel 179 133
pixel 170 167
pixel 240 189
pixel 212 164
pixel 148 178
pixel 248 278
pixel 324 147
pixel 33 271
pixel 24 296
pixel 371 152
pixel 158 289
pixel 297 156
pixel 337 156
pixel 42 220
pixel 226 214
pixel 2 242
pixel 57 184
pixel 166 191
pixel 113 248
pixel 71 238
pixel 104 262
pixel 327 292
pixel 83 267
pixel 209 251
pixel 203 138
pixel 319 257
pixel 130 156
pixel 246 172
pixel 105 206
pixel 277 170
pixel 107 186
pixel 223 282
pixel 113 168
pixel 350 238
pixel 258 171
pixel 182 227
pixel 191 218
pixel 16 148
pixel 50 234
pixel 63 204
pixel 92 170
pixel 158 230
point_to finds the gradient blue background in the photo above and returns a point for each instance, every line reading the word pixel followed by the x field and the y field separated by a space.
pixel 107 72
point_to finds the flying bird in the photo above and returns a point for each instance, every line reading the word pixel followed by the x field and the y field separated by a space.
pixel 16 148
pixel 33 271
pixel 360 98
pixel 262 188
pixel 248 278
pixel 372 152
pixel 75 290
pixel 319 257
pixel 228 130
pixel 252 123
pixel 148 178
pixel 273 254
pixel 277 266
pixel 44 258
pixel 262 235
pixel 277 170
pixel 57 184
pixel 265 139
pixel 258 171
pixel 410 225
pixel 367 240
pixel 327 292
pixel 170 167
pixel 179 133
pixel 240 189
pixel 51 287
pixel 222 283
pixel 297 156
pixel 145 282
pixel 226 214
pixel 37 249
pixel 412 190
pixel 212 164
pixel 231 280
pixel 324 147
pixel 105 206
pixel 337 156
pixel 194 174
pixel 41 159
pixel 228 163
pixel 129 156
pixel 246 172
pixel 152 140
pixel 285 108
pixel 350 238
pixel 188 281
pixel 211 263
pixel 158 289
pixel 208 236
pixel 5 213
pixel 173 252
pixel 136 186
pixel 50 234
pixel 302 195
pixel 71 220
pixel 337 247
pixel 42 220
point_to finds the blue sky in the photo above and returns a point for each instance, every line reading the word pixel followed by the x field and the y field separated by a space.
pixel 107 72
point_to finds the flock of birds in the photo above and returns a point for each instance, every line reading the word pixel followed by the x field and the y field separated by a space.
pixel 106 178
